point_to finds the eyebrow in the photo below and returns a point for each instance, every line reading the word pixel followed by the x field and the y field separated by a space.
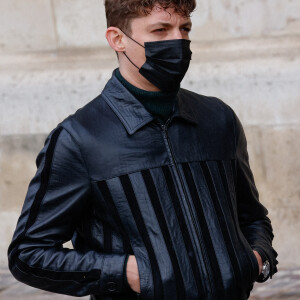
pixel 188 23
pixel 167 24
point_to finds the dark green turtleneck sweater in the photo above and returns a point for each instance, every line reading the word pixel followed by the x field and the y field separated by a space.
pixel 159 104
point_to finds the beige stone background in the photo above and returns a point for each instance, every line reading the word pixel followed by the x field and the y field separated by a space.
pixel 54 59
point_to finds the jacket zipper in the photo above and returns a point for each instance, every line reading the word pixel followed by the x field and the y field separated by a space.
pixel 170 148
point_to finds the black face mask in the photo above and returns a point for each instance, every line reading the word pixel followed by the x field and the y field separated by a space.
pixel 166 63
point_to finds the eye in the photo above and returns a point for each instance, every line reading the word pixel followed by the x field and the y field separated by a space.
pixel 186 29
pixel 160 30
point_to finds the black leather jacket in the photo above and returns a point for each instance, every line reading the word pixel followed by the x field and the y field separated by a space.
pixel 179 196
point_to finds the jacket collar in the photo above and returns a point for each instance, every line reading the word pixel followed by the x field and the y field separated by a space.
pixel 132 112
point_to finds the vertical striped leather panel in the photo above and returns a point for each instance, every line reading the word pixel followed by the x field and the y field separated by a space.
pixel 109 238
pixel 214 201
pixel 156 223
pixel 229 176
pixel 123 202
pixel 147 202
pixel 192 246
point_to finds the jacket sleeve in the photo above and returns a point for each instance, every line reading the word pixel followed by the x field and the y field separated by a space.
pixel 253 220
pixel 56 196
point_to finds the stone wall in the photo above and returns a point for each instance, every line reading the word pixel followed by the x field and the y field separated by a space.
pixel 42 25
pixel 54 59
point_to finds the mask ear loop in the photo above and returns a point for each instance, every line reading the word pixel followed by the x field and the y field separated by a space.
pixel 125 52
pixel 132 38
pixel 131 60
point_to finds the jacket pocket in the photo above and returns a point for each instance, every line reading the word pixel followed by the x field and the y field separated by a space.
pixel 256 265
pixel 143 270
pixel 254 262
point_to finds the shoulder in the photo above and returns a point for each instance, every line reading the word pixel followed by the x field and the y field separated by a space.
pixel 86 118
pixel 214 111
pixel 205 106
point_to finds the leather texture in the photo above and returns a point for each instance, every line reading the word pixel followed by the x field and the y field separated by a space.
pixel 180 197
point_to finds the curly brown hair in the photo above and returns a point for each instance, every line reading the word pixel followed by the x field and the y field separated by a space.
pixel 119 13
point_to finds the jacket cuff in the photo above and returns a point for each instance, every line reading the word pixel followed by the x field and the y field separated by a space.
pixel 267 254
pixel 112 274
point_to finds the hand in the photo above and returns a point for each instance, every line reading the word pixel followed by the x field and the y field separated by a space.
pixel 132 274
pixel 259 260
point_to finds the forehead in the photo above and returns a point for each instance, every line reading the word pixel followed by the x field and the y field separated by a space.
pixel 160 14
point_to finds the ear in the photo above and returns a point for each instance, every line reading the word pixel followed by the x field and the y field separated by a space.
pixel 114 37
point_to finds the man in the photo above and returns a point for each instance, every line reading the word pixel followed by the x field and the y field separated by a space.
pixel 150 181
